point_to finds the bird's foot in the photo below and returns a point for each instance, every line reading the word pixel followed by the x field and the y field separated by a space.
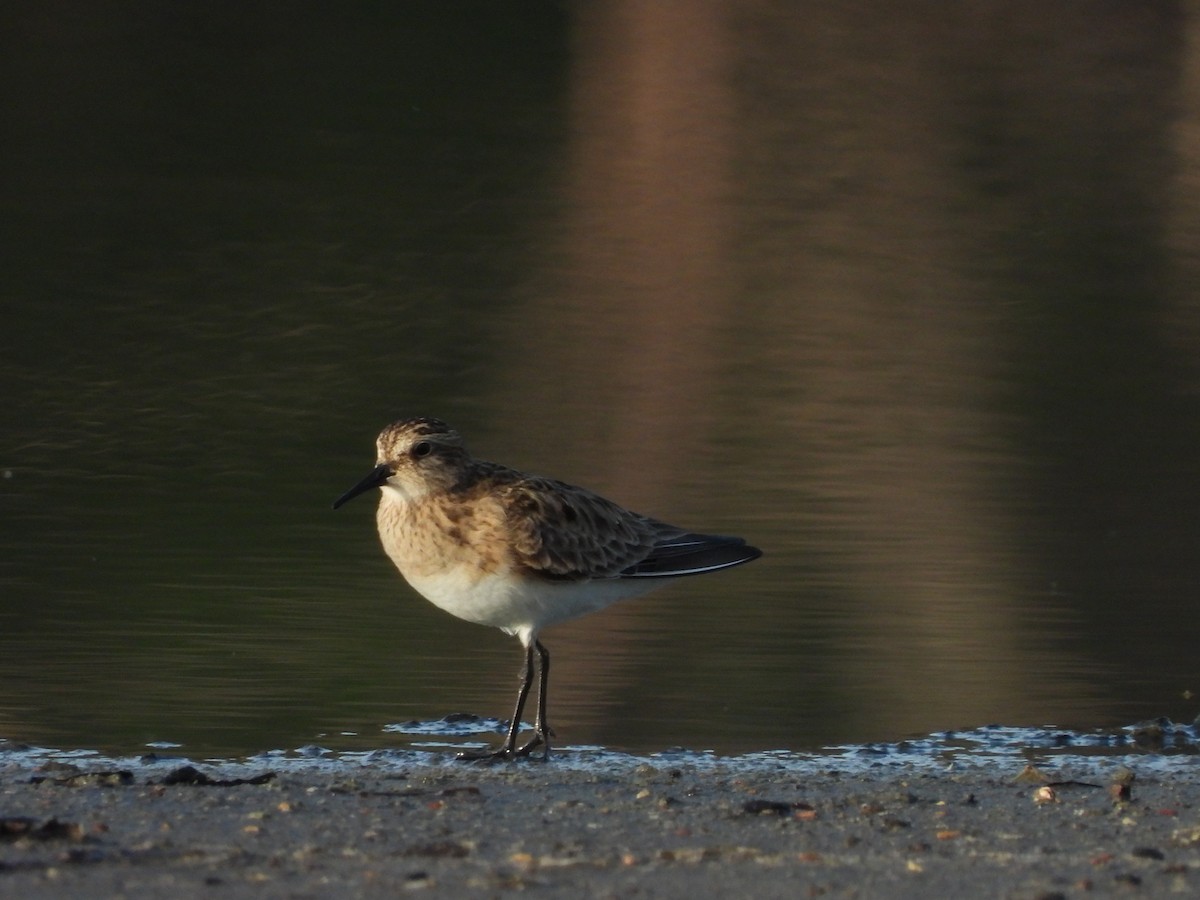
pixel 485 754
pixel 539 739
pixel 509 751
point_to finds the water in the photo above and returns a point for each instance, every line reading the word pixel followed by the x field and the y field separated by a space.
pixel 1028 755
pixel 909 303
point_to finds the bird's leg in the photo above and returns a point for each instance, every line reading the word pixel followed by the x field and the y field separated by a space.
pixel 505 750
pixel 542 732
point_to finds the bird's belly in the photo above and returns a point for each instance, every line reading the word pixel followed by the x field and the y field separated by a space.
pixel 519 604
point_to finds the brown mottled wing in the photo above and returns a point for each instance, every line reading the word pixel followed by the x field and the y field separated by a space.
pixel 564 532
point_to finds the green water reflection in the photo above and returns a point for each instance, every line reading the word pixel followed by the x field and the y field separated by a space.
pixel 909 303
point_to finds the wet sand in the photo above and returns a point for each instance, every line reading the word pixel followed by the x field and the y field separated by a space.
pixel 569 828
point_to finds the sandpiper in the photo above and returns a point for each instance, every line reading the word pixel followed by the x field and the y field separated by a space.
pixel 520 552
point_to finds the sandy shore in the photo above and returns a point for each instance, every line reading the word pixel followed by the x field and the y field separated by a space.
pixel 377 828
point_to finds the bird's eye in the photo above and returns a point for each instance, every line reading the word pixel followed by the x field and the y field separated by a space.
pixel 421 448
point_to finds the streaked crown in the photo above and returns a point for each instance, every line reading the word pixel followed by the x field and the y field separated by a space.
pixel 397 441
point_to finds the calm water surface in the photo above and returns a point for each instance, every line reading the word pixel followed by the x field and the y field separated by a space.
pixel 911 304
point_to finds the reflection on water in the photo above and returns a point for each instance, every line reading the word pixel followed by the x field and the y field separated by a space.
pixel 908 304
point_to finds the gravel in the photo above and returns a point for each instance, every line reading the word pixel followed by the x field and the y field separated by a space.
pixel 583 825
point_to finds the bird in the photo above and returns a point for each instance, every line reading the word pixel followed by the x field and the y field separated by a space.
pixel 519 552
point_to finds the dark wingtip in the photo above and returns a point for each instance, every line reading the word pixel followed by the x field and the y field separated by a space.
pixel 694 554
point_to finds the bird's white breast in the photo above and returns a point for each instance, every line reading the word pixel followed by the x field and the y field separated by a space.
pixel 464 567
pixel 520 605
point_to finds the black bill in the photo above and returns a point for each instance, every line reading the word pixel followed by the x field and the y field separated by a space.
pixel 375 479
